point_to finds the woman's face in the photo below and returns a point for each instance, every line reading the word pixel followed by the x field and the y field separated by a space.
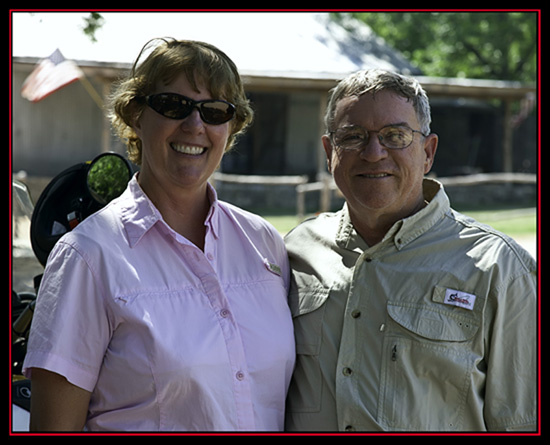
pixel 180 154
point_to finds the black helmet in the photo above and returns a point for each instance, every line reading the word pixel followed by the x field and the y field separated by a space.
pixel 73 195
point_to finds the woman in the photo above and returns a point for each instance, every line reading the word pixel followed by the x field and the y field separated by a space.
pixel 167 309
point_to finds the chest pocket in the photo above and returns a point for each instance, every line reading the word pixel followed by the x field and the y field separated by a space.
pixel 308 309
pixel 433 324
pixel 427 362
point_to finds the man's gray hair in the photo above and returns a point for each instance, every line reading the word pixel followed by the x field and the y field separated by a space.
pixel 376 80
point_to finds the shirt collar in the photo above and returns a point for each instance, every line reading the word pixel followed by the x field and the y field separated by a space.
pixel 346 235
pixel 139 214
pixel 403 231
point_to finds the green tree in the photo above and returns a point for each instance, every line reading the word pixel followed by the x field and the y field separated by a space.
pixel 94 22
pixel 482 45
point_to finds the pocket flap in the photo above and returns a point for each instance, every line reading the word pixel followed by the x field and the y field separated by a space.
pixel 307 300
pixel 308 310
pixel 432 323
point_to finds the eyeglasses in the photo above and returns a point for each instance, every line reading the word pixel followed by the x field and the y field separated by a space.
pixel 354 137
pixel 176 106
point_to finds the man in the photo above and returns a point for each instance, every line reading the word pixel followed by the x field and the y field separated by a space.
pixel 408 315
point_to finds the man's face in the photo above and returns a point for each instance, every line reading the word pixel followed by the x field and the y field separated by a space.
pixel 376 180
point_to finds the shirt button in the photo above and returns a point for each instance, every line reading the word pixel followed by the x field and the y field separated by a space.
pixel 240 375
pixel 209 256
pixel 347 372
pixel 368 259
pixel 356 313
pixel 224 313
pixel 349 428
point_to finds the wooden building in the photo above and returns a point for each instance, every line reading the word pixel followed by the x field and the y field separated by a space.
pixel 288 62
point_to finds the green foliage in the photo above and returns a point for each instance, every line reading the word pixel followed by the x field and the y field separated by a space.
pixel 93 22
pixel 108 178
pixel 483 45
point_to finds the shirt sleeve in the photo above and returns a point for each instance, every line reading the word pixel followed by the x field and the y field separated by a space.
pixel 70 330
pixel 511 389
pixel 283 261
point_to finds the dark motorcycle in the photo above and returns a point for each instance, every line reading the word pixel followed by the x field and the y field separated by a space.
pixel 67 200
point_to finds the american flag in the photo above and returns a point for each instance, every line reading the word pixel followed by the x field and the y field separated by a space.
pixel 50 75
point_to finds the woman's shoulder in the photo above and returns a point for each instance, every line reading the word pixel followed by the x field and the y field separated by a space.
pixel 98 231
pixel 257 229
pixel 246 218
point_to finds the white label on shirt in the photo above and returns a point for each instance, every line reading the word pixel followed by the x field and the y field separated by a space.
pixel 459 298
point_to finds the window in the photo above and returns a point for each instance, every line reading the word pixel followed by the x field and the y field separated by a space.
pixel 261 150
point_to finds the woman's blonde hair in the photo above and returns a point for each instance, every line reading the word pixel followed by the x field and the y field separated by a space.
pixel 200 62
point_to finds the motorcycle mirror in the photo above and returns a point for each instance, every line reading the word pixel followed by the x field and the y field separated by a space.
pixel 108 176
pixel 23 195
pixel 73 195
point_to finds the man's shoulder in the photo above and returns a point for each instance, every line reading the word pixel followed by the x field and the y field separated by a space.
pixel 321 226
pixel 489 243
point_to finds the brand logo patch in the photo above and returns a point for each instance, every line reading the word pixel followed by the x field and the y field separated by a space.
pixel 458 298
pixel 272 267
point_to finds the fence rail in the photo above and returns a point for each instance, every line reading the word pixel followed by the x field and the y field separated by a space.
pixel 326 186
pixel 257 179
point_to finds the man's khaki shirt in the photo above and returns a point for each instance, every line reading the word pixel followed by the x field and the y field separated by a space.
pixel 433 328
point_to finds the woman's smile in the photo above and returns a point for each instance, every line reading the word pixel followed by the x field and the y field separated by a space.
pixel 188 149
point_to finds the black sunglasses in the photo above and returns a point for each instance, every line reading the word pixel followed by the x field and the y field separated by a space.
pixel 176 106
